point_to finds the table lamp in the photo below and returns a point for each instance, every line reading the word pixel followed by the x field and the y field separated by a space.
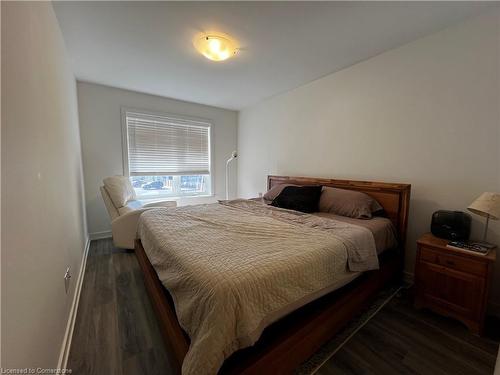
pixel 487 205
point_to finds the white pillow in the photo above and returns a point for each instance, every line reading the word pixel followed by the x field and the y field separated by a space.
pixel 120 190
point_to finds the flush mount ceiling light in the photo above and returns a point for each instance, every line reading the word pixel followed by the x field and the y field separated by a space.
pixel 215 47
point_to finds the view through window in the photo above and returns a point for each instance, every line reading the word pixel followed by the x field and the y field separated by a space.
pixel 176 186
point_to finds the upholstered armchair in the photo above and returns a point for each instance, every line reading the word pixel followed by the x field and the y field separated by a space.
pixel 124 209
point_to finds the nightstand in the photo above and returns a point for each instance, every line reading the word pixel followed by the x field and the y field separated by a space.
pixel 453 282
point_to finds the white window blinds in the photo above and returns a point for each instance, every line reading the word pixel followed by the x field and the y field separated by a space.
pixel 160 145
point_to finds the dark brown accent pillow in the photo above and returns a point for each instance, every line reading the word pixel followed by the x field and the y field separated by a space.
pixel 299 198
pixel 275 191
pixel 348 203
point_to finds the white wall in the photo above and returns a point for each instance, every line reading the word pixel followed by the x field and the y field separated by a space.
pixel 43 215
pixel 101 133
pixel 426 114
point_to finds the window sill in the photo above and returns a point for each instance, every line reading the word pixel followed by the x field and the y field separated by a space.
pixel 173 198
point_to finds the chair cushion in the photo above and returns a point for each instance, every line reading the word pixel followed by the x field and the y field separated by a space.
pixel 130 206
pixel 120 190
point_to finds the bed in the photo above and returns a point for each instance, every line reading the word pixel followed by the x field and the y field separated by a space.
pixel 252 289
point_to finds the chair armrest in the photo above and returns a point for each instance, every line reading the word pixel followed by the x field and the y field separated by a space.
pixel 165 204
pixel 124 229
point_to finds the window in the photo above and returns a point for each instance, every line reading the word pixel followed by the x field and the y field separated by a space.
pixel 167 155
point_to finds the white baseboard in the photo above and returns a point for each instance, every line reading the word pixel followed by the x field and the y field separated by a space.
pixel 68 335
pixel 100 235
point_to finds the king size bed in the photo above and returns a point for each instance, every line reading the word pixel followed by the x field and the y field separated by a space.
pixel 245 287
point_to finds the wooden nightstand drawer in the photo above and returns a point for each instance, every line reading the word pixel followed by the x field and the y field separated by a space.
pixel 450 289
pixel 452 282
pixel 428 255
pixel 462 264
pixel 453 261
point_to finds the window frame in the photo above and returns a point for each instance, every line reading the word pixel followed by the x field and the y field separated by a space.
pixel 125 144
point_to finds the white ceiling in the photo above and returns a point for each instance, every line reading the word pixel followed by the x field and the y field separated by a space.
pixel 146 46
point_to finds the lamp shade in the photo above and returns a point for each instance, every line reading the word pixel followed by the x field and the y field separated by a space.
pixel 487 204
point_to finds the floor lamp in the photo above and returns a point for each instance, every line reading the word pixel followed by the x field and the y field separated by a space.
pixel 234 155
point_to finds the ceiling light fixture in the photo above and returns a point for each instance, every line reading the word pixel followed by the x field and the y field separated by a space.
pixel 215 47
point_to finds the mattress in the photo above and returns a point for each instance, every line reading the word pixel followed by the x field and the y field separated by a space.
pixel 235 267
pixel 384 232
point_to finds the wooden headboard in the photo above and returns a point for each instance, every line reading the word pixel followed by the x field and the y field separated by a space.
pixel 394 198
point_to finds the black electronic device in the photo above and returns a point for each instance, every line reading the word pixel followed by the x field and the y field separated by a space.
pixel 451 225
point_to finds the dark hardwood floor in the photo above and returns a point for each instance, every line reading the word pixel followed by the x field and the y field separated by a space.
pixel 116 332
pixel 403 340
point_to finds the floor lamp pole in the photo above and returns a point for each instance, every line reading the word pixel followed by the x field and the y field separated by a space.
pixel 234 155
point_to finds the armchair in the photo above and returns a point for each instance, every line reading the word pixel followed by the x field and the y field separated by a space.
pixel 124 209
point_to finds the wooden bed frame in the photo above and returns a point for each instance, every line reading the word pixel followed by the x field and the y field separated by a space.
pixel 293 339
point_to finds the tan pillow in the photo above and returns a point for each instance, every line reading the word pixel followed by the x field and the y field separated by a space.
pixel 275 191
pixel 348 203
pixel 120 190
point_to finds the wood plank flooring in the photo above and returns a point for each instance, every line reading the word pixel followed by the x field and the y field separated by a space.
pixel 403 340
pixel 116 332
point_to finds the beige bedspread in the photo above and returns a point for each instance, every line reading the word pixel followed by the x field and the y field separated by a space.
pixel 384 232
pixel 235 267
